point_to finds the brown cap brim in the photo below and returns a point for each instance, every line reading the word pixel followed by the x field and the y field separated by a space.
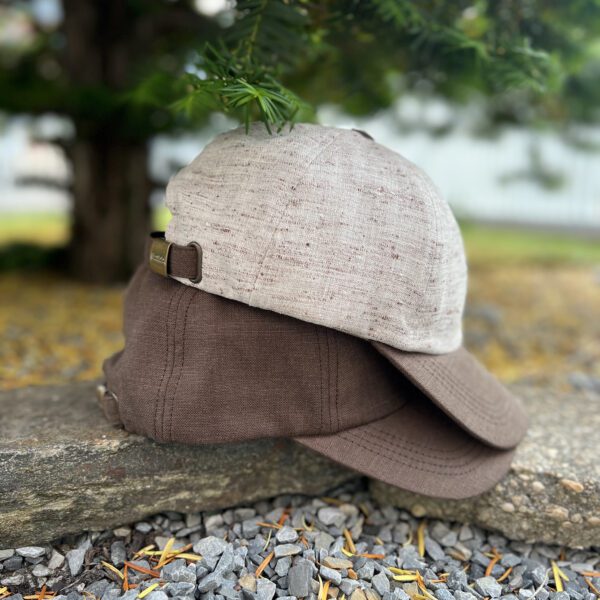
pixel 417 448
pixel 466 392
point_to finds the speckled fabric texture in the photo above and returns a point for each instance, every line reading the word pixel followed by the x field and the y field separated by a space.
pixel 327 226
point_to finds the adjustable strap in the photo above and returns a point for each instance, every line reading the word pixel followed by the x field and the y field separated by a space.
pixel 171 260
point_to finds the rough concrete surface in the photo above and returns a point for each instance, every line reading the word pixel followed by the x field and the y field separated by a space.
pixel 552 493
pixel 63 469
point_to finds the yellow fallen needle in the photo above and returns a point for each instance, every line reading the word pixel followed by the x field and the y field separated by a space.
pixel 144 593
pixel 167 554
pixel 421 538
pixel 112 569
pixel 559 577
pixel 403 574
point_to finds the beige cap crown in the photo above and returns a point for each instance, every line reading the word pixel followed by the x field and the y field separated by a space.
pixel 327 226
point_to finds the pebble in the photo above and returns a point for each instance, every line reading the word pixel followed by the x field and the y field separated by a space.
pixel 233 544
pixel 510 560
pixel 287 550
pixel 434 550
pixel 14 563
pixel 348 586
pixel 210 546
pixel 97 588
pixel 323 541
pixel 381 583
pixel 31 551
pixel 40 570
pixel 15 580
pixel 299 578
pixel 337 563
pixel 286 535
pixel 75 557
pixel 118 554
pixel 248 582
pixel 143 527
pixel 332 516
pixel 460 595
pixel 265 589
pixel 443 594
pixel 56 560
pixel 250 527
pixel 331 574
pixel 488 586
pixel 283 566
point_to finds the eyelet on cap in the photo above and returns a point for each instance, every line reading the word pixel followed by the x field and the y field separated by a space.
pixel 198 248
pixel 364 134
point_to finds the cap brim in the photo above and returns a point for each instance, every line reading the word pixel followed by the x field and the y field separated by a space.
pixel 465 391
pixel 417 448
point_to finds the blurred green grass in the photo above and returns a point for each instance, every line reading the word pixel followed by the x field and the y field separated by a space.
pixel 485 244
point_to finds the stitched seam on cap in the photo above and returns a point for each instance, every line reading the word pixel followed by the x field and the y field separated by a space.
pixel 170 375
pixel 174 398
pixel 489 418
pixel 162 377
pixel 444 469
pixel 337 381
pixel 392 451
pixel 436 226
pixel 409 448
pixel 328 371
pixel 316 330
pixel 275 227
pixel 438 450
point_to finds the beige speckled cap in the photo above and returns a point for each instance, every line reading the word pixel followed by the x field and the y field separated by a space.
pixel 327 226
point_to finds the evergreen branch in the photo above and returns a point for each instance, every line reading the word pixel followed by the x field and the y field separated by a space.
pixel 246 90
pixel 503 62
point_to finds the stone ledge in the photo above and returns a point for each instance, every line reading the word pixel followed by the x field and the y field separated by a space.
pixel 63 470
pixel 552 493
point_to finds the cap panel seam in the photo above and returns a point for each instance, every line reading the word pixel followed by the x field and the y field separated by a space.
pixel 317 334
pixel 393 454
pixel 157 398
pixel 191 292
pixel 275 226
pixel 328 371
pixel 389 436
pixel 173 345
pixel 337 381
pixel 435 222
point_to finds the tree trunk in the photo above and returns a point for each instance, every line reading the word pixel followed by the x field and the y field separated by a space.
pixel 111 215
pixel 110 165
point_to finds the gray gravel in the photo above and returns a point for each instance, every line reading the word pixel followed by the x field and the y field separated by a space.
pixel 307 551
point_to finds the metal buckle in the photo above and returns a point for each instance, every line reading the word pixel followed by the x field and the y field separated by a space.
pixel 198 248
pixel 100 391
pixel 159 255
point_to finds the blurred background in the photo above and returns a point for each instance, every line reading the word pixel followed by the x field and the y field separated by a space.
pixel 102 101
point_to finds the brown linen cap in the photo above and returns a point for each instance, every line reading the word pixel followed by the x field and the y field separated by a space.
pixel 198 368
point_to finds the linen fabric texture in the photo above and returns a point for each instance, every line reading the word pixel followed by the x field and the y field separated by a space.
pixel 327 226
pixel 198 368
